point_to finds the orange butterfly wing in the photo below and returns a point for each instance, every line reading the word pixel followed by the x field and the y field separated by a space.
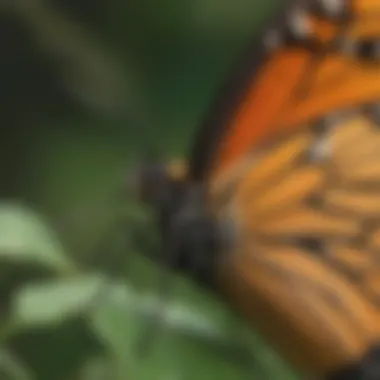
pixel 266 98
pixel 303 192
pixel 294 84
pixel 306 261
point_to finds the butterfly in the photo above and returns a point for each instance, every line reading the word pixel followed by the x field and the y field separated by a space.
pixel 277 207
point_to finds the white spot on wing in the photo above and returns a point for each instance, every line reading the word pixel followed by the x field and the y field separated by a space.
pixel 333 7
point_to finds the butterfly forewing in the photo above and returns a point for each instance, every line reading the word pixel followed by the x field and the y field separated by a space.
pixel 313 74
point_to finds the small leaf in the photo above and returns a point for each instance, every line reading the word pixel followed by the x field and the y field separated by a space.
pixel 178 349
pixel 123 303
pixel 51 302
pixel 25 238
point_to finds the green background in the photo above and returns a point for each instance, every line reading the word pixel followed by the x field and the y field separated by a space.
pixel 85 84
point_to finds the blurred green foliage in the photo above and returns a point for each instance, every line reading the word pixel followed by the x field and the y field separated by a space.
pixel 75 297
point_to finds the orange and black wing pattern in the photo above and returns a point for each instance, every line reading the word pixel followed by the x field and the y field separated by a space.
pixel 305 266
pixel 305 66
pixel 295 169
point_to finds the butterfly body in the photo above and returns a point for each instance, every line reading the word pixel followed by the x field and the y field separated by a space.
pixel 280 206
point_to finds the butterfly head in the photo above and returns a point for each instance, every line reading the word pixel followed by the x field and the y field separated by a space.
pixel 188 232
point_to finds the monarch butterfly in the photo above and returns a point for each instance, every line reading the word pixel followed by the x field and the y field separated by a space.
pixel 278 205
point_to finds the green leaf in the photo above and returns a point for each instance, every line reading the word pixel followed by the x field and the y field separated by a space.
pixel 57 352
pixel 188 342
pixel 25 238
pixel 51 302
pixel 122 303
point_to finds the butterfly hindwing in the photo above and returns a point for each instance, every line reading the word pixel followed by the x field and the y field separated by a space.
pixel 307 215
